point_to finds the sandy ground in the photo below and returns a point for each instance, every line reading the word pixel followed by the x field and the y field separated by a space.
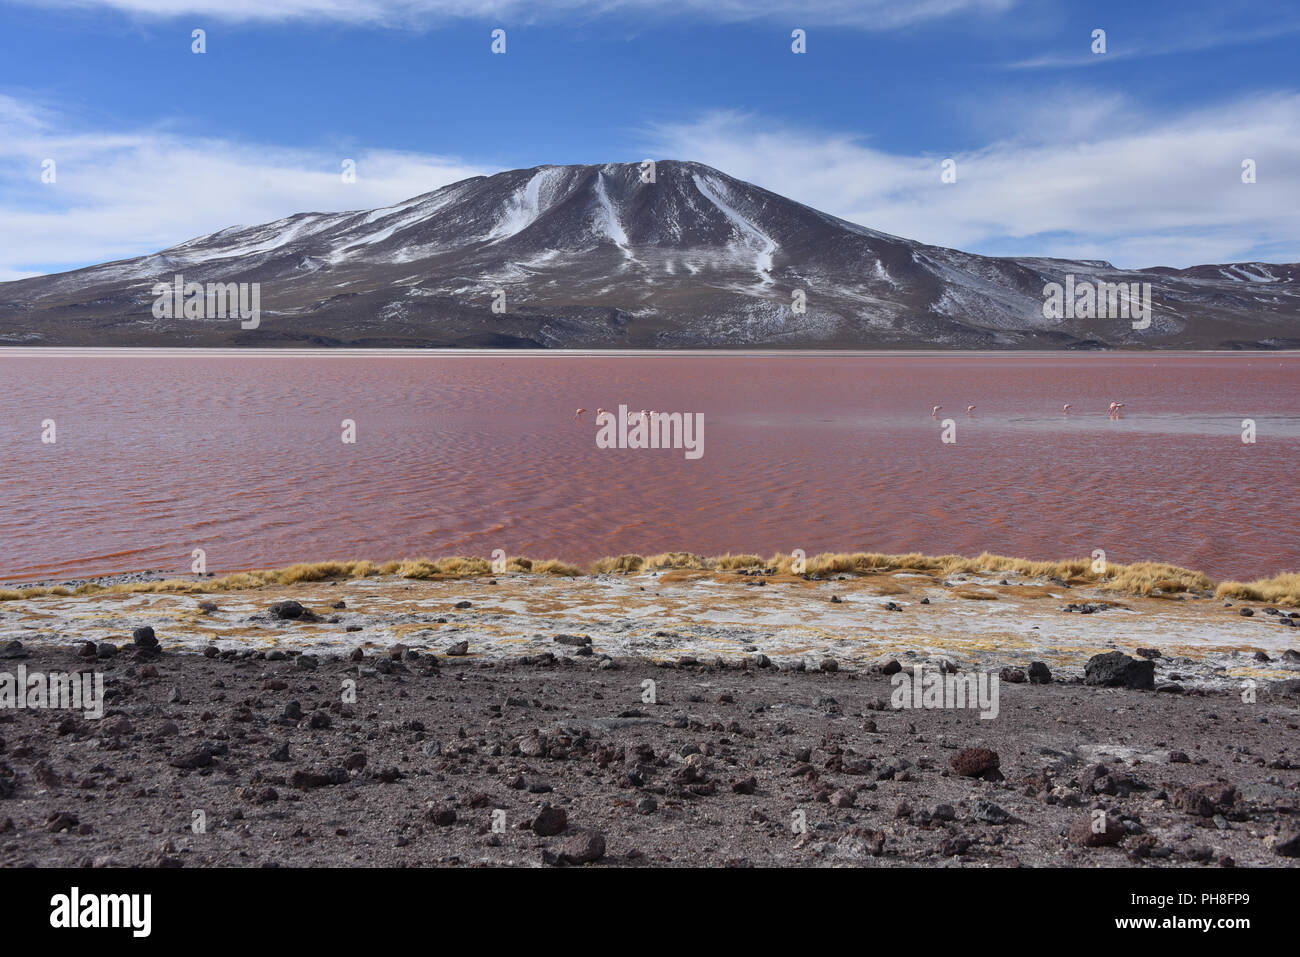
pixel 249 739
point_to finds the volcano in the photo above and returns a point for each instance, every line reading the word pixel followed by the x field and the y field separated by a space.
pixel 597 257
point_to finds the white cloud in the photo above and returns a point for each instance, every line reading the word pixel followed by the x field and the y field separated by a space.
pixel 121 194
pixel 1099 180
pixel 866 14
pixel 1095 180
pixel 1213 33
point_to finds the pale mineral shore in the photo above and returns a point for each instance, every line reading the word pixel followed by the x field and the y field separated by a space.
pixel 512 721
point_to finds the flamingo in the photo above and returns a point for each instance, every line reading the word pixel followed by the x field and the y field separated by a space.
pixel 578 414
pixel 970 410
pixel 934 413
pixel 1066 408
pixel 1114 409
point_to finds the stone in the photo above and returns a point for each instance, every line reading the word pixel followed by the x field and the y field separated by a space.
pixel 287 610
pixel 1114 669
pixel 583 847
pixel 1287 843
pixel 441 816
pixel 1096 831
pixel 975 762
pixel 550 821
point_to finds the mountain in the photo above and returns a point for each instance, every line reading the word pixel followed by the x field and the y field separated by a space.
pixel 593 257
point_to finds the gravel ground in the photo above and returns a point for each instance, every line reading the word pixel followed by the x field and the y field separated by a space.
pixel 558 759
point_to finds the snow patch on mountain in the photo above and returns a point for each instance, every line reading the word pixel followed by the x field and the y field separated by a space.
pixel 753 238
pixel 527 203
pixel 608 218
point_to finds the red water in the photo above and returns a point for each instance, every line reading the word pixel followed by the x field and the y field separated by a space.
pixel 241 456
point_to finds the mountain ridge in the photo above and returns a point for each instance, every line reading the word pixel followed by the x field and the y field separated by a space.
pixel 590 256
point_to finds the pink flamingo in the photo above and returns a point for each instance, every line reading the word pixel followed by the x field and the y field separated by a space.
pixel 970 410
pixel 934 413
pixel 578 414
pixel 1114 409
pixel 1066 408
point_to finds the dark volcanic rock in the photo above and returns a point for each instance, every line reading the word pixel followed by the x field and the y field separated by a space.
pixel 201 757
pixel 583 847
pixel 550 821
pixel 1039 673
pixel 1205 799
pixel 1096 830
pixel 287 610
pixel 1288 843
pixel 441 816
pixel 975 762
pixel 1115 669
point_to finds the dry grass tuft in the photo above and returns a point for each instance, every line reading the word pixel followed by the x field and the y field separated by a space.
pixel 728 562
pixel 677 560
pixel 623 563
pixel 1141 578
pixel 1281 589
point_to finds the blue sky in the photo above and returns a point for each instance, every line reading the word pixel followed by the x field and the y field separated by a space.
pixel 1132 155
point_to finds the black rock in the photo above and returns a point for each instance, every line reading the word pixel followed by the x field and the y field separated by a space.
pixel 288 609
pixel 583 847
pixel 1117 670
pixel 199 758
pixel 550 821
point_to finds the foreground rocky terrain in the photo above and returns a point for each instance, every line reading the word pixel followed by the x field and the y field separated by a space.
pixel 274 748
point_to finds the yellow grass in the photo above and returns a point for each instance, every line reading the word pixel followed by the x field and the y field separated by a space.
pixel 737 561
pixel 677 560
pixel 623 563
pixel 1141 578
pixel 1279 590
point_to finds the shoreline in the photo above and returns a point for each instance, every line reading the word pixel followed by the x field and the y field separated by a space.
pixel 1137 578
pixel 964 616
pixel 13 351
pixel 653 719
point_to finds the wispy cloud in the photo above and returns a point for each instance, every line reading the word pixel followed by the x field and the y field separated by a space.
pixel 1126 46
pixel 1100 180
pixel 865 14
pixel 122 193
